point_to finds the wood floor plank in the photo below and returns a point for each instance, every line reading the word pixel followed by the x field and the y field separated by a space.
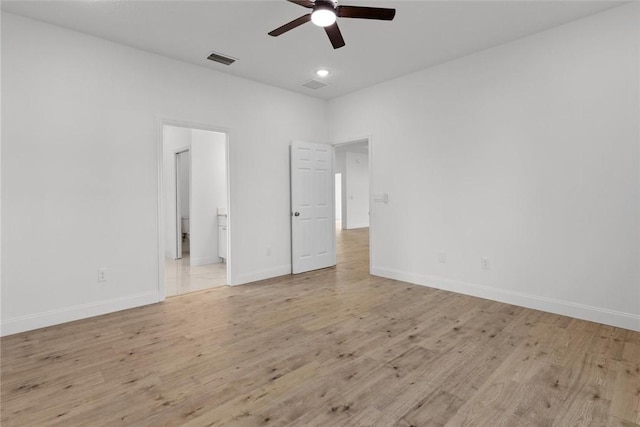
pixel 334 347
pixel 626 394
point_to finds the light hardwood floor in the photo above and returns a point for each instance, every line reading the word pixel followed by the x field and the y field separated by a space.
pixel 336 347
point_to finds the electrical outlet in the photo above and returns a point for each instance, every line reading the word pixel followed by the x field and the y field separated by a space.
pixel 442 257
pixel 102 275
pixel 484 263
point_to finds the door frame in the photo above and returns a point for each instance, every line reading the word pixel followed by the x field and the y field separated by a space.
pixel 160 221
pixel 178 236
pixel 349 141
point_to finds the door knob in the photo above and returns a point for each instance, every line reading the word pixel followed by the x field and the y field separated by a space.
pixel 296 214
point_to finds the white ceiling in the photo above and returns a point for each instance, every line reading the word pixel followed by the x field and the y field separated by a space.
pixel 424 33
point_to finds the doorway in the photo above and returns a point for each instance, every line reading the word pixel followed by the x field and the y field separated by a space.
pixel 352 200
pixel 194 195
pixel 329 198
pixel 352 177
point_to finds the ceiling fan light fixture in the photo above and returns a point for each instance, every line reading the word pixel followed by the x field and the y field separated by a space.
pixel 324 13
pixel 323 16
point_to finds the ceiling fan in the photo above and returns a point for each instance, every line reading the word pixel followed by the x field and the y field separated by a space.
pixel 324 14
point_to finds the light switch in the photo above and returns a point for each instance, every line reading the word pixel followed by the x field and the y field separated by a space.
pixel 381 198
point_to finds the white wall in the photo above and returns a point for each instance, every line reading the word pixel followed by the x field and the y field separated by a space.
pixel 338 195
pixel 209 192
pixel 1 186
pixel 174 138
pixel 357 187
pixel 527 154
pixel 354 168
pixel 184 186
pixel 81 125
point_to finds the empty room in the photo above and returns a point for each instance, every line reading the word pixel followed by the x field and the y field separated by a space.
pixel 320 213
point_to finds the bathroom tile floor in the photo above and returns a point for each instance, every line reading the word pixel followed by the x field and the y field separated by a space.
pixel 181 278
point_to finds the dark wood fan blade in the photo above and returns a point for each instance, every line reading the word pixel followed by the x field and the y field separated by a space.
pixel 291 25
pixel 303 3
pixel 335 35
pixel 366 12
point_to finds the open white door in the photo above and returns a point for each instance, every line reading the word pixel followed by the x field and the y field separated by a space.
pixel 312 213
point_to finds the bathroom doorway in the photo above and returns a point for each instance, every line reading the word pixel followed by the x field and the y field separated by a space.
pixel 195 209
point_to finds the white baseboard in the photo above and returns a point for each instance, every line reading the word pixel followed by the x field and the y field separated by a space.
pixel 194 262
pixel 55 317
pixel 268 273
pixel 352 226
pixel 566 308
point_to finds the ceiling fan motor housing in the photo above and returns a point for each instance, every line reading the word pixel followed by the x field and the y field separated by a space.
pixel 325 4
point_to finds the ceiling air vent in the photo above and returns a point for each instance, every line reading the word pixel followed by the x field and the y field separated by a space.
pixel 216 57
pixel 314 84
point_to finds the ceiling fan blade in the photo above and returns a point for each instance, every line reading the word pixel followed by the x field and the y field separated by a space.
pixel 303 3
pixel 335 35
pixel 291 25
pixel 366 12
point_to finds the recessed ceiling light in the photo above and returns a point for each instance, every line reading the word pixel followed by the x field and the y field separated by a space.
pixel 322 72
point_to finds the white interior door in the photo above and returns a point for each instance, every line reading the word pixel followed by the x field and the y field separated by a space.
pixel 312 212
